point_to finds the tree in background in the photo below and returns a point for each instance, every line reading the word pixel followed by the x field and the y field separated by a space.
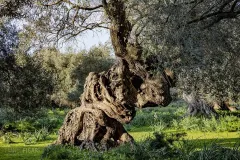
pixel 13 8
pixel 70 70
pixel 8 39
pixel 97 59
pixel 199 41
pixel 25 85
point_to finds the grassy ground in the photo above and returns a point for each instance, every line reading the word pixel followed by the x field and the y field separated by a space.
pixel 227 139
pixel 142 128
pixel 19 151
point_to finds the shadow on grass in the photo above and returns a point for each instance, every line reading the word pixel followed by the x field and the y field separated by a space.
pixel 225 142
pixel 155 148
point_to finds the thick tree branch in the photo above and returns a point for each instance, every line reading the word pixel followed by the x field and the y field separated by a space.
pixel 75 5
pixel 234 5
pixel 220 15
pixel 223 12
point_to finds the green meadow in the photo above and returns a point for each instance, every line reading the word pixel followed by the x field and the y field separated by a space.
pixel 159 133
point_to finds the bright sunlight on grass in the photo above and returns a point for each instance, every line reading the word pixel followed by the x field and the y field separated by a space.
pixel 146 123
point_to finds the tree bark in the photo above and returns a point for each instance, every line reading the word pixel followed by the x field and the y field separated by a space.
pixel 110 98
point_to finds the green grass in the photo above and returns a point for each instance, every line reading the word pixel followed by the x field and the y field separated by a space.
pixel 141 128
pixel 156 148
pixel 227 139
pixel 19 151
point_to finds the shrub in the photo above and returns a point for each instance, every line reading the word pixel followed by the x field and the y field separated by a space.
pixel 50 123
pixel 221 124
pixel 153 117
pixel 7 138
pixel 24 125
pixel 142 119
pixel 32 138
pixel 159 126
pixel 9 126
pixel 51 120
pixel 165 118
pixel 1 133
pixel 190 123
pixel 6 115
pixel 28 138
pixel 41 134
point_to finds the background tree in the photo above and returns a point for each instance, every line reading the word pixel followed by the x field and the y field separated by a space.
pixel 199 40
pixel 70 70
pixel 25 85
pixel 97 59
pixel 13 8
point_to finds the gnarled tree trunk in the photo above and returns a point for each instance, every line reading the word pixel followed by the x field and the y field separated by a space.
pixel 109 98
pixel 197 106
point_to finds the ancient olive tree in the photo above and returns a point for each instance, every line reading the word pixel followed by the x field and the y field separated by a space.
pixel 200 41
pixel 109 98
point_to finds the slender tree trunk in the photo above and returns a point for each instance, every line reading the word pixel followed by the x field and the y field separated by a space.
pixel 109 98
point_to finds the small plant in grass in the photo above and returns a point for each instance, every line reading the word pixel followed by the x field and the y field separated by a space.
pixel 1 133
pixel 175 124
pixel 191 123
pixel 41 134
pixel 28 138
pixel 181 111
pixel 7 138
pixel 159 126
pixel 210 124
pixel 32 138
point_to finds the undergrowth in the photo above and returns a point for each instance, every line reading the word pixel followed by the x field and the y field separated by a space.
pixel 173 118
pixel 161 147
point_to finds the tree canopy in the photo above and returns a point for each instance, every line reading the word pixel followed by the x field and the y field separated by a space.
pixel 24 83
pixel 199 40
